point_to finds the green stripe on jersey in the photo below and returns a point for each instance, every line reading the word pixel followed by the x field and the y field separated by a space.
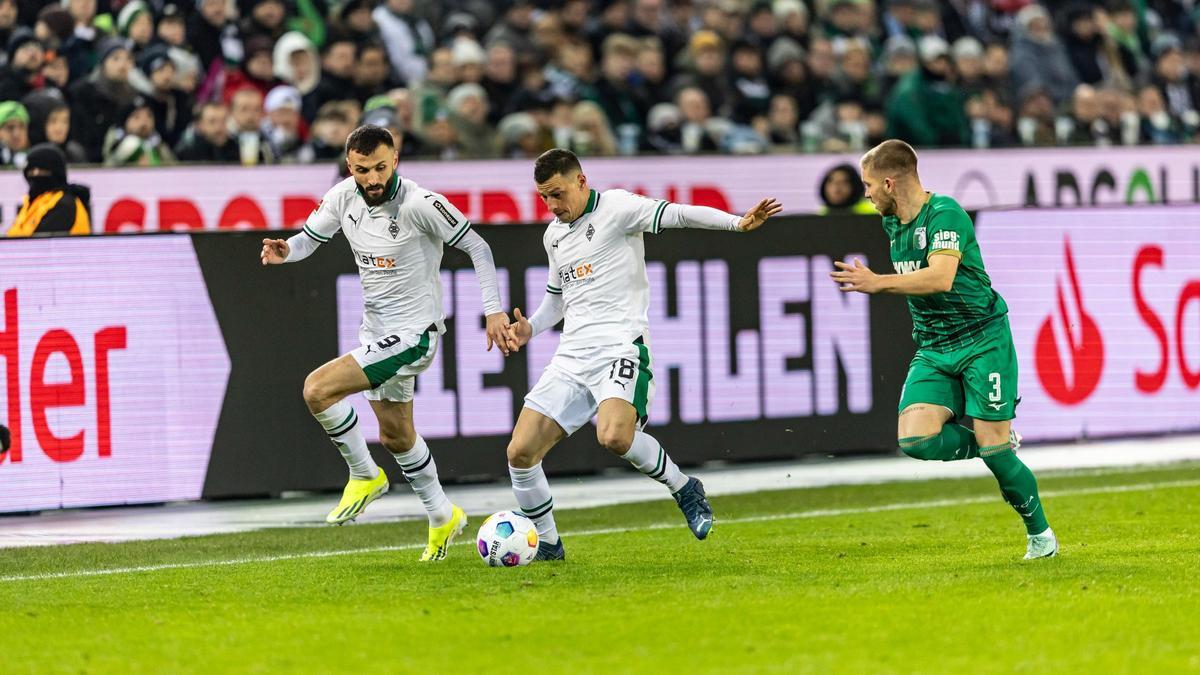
pixel 313 233
pixel 641 390
pixel 662 206
pixel 459 235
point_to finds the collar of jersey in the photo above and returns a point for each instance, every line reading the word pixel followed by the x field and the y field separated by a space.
pixel 392 188
pixel 593 202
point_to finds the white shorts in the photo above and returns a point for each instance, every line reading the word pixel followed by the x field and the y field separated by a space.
pixel 572 387
pixel 392 363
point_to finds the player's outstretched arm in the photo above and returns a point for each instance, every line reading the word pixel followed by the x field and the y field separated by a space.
pixel 706 218
pixel 485 271
pixel 548 314
pixel 937 278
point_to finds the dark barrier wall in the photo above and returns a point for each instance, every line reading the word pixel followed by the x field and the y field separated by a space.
pixel 756 354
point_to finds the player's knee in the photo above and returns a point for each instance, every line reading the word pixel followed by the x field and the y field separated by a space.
pixel 317 394
pixel 520 455
pixel 615 439
pixel 922 447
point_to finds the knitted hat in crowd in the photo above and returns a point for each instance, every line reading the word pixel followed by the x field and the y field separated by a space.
pixel 13 110
pixel 110 46
pixel 128 13
pixel 153 58
pixel 282 96
pixel 19 38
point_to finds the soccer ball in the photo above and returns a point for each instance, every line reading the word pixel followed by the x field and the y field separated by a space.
pixel 507 539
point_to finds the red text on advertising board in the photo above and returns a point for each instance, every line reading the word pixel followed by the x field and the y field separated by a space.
pixel 45 396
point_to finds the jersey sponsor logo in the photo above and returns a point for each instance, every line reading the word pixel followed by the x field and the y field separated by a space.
pixel 997 406
pixel 354 220
pixel 945 240
pixel 554 244
pixel 906 266
pixel 378 262
pixel 450 219
pixel 579 273
pixel 919 237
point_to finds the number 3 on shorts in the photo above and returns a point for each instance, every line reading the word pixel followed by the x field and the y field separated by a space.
pixel 994 378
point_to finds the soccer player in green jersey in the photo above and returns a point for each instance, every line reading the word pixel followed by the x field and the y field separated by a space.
pixel 965 362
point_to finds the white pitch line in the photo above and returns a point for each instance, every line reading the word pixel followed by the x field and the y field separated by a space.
pixel 815 513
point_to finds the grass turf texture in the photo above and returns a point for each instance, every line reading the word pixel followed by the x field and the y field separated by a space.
pixel 932 589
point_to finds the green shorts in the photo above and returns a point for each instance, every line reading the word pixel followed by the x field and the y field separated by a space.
pixel 979 381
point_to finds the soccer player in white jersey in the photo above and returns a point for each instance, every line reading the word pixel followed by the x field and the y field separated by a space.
pixel 602 366
pixel 396 231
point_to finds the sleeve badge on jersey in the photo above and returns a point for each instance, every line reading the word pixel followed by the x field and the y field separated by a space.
pixel 919 235
pixel 445 213
pixel 945 240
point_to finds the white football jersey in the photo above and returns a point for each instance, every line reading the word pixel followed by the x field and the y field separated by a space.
pixel 398 248
pixel 598 264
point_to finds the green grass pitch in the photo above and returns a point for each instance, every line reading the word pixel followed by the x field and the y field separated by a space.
pixel 901 577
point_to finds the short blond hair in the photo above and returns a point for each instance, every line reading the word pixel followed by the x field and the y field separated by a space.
pixel 892 157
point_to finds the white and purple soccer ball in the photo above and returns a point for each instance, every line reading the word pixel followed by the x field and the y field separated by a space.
pixel 507 539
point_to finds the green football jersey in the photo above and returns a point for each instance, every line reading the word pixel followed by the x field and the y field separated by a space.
pixel 958 317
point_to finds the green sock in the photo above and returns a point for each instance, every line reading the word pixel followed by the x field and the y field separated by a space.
pixel 1017 484
pixel 954 442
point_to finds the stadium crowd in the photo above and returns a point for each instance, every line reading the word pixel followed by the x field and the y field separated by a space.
pixel 148 82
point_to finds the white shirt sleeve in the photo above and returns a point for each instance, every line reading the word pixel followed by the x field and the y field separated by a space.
pixel 485 269
pixel 322 224
pixel 437 216
pixel 697 217
pixel 550 311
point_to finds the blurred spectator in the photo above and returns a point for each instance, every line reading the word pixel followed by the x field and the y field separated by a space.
pixel 570 76
pixel 781 127
pixel 648 19
pixel 593 137
pixel 14 134
pixel 751 93
pixel 371 72
pixel 521 137
pixel 842 193
pixel 172 111
pixel 50 121
pixel 409 38
pixel 256 71
pixel 1179 87
pixel 468 58
pixel 355 19
pixel 82 48
pixel 706 70
pixel 1038 58
pixel 133 141
pixel 651 71
pixel 1120 110
pixel 514 27
pixel 968 65
pixel 899 59
pixel 468 104
pixel 53 27
pixel 854 72
pixel 1035 121
pixel 245 125
pixel 696 133
pixel 263 18
pixel 785 64
pixel 1085 125
pixel 212 35
pixel 613 18
pixel 431 94
pixel 8 19
pixel 25 58
pixel 926 108
pixel 500 79
pixel 847 18
pixel 822 68
pixel 664 130
pixel 52 205
pixel 793 19
pixel 283 126
pixel 1120 25
pixel 136 24
pixel 338 57
pixel 330 129
pixel 1084 44
pixel 208 139
pixel 296 62
pixel 623 102
pixel 1159 127
pixel 96 100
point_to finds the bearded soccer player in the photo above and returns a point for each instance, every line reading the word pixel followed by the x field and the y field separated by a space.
pixel 396 230
pixel 965 362
pixel 602 365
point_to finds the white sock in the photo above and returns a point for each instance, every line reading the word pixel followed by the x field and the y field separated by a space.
pixel 421 473
pixel 647 456
pixel 341 423
pixel 533 495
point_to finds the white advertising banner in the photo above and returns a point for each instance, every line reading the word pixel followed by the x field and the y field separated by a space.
pixel 1105 313
pixel 112 372
pixel 281 197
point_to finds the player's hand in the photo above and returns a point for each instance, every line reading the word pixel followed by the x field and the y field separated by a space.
pixel 497 332
pixel 758 215
pixel 520 331
pixel 856 277
pixel 274 251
